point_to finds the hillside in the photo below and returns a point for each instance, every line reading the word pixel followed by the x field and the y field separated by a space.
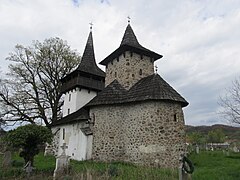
pixel 233 133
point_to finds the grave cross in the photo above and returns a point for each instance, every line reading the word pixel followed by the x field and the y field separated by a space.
pixel 64 147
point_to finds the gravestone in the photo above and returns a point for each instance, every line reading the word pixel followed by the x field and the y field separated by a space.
pixel 197 149
pixel 62 163
pixel 235 149
pixel 28 168
pixel 7 158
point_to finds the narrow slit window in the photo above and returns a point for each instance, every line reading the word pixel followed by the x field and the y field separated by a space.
pixel 68 111
pixel 63 133
pixel 175 117
pixel 115 74
pixel 140 72
pixel 69 97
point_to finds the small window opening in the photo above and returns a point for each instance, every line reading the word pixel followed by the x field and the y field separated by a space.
pixel 69 97
pixel 140 72
pixel 68 110
pixel 115 74
pixel 131 54
pixel 141 56
pixel 127 63
pixel 175 117
pixel 124 54
pixel 89 91
pixel 63 133
pixel 117 59
pixel 133 75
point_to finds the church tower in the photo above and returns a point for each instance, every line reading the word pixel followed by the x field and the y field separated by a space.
pixel 84 83
pixel 138 115
pixel 130 62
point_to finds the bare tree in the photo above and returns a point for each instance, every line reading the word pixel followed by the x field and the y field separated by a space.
pixel 231 102
pixel 32 89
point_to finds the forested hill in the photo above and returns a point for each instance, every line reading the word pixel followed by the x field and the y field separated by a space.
pixel 233 133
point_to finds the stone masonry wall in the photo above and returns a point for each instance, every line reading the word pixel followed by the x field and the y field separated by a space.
pixel 147 133
pixel 128 69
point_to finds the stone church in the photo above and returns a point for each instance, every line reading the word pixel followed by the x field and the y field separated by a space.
pixel 128 113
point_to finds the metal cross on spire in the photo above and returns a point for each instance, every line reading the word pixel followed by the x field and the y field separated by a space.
pixel 129 19
pixel 156 68
pixel 91 25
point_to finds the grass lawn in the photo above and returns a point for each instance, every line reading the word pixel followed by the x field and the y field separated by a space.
pixel 216 166
pixel 208 166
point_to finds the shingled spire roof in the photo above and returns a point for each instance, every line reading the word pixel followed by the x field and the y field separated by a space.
pixel 130 43
pixel 129 38
pixel 88 74
pixel 88 62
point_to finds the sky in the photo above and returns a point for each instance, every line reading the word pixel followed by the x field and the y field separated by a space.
pixel 199 39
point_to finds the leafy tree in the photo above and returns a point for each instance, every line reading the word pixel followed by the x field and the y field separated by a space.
pixel 32 89
pixel 216 136
pixel 28 138
pixel 231 102
pixel 196 138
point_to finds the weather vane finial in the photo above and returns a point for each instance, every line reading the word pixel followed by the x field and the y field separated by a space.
pixel 91 25
pixel 156 68
pixel 129 19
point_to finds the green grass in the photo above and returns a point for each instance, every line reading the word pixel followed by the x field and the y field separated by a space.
pixel 119 170
pixel 216 166
pixel 208 166
pixel 44 167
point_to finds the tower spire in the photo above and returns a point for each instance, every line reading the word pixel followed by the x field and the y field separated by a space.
pixel 88 62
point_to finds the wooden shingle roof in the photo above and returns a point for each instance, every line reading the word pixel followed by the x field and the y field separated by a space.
pixel 152 87
pixel 80 115
pixel 130 43
pixel 88 62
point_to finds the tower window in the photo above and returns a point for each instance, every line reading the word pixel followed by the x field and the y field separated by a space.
pixel 175 117
pixel 89 91
pixel 115 74
pixel 68 110
pixel 63 133
pixel 140 72
pixel 69 97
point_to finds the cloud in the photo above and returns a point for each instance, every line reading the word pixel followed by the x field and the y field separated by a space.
pixel 199 40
